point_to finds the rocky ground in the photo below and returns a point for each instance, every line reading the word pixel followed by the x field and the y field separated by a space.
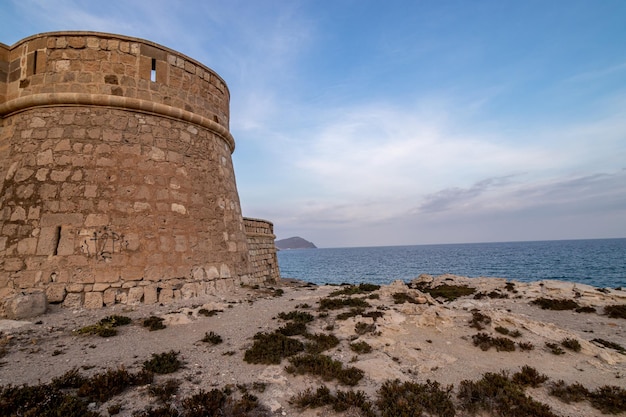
pixel 423 338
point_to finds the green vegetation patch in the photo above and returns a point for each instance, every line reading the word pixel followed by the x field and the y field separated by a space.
pixel 271 348
pixel 363 288
pixel 297 316
pixel 212 338
pixel 106 326
pixel 555 349
pixel 503 330
pixel 525 346
pixel 555 304
pixel 616 311
pixel 361 328
pixel 293 329
pixel 397 398
pixel 485 342
pixel 320 342
pixel 163 363
pixel 154 323
pixel 361 347
pixel 448 292
pixel 479 320
pixel 403 297
pixel 325 367
pixel 165 390
pixel 496 393
pixel 608 399
pixel 610 345
pixel 571 344
pixel 104 386
pixel 568 393
pixel 212 403
pixel 208 313
pixel 340 402
pixel 529 377
pixel 339 303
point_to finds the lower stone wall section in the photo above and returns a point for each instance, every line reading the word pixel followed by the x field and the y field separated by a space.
pixel 262 250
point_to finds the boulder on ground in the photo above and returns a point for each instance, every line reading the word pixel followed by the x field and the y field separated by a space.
pixel 24 306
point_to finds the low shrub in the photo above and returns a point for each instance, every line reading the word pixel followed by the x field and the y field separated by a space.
pixel 42 401
pixel 616 311
pixel 403 297
pixel 293 329
pixel 212 338
pixel 363 288
pixel 491 294
pixel 495 393
pixel 104 386
pixel 353 312
pixel 154 323
pixel 449 292
pixel 116 321
pixel 571 344
pixel 479 320
pixel 106 326
pixel 555 304
pixel 529 377
pixel 585 309
pixel 271 348
pixel 395 398
pixel 320 342
pixel 339 303
pixel 362 328
pixel 609 399
pixel 502 330
pixel 208 313
pixel 163 363
pixel 340 402
pixel 325 367
pixel 164 390
pixel 361 347
pixel 568 393
pixel 610 345
pixel 484 341
pixel 525 346
pixel 297 316
pixel 555 349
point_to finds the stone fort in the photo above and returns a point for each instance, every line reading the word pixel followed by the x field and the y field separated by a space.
pixel 117 178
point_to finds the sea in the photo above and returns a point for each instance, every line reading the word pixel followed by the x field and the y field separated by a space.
pixel 597 262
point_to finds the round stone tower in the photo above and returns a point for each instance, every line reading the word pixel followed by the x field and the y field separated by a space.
pixel 117 179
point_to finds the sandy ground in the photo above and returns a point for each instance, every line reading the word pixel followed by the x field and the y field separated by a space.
pixel 412 342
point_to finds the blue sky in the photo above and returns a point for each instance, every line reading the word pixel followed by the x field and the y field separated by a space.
pixel 364 123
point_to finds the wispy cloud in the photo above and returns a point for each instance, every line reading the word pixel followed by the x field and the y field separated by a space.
pixel 597 73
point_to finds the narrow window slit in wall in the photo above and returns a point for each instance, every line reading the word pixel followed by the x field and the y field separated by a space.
pixel 153 71
pixel 57 241
pixel 35 62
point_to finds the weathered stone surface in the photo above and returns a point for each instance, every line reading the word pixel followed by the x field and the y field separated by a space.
pixel 135 295
pixel 109 296
pixel 73 300
pixel 150 294
pixel 93 300
pixel 24 306
pixel 56 293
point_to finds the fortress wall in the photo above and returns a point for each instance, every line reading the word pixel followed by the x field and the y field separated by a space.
pixel 263 259
pixel 117 188
pixel 91 63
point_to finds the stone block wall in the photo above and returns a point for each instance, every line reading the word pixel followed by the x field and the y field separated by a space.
pixel 117 178
pixel 262 250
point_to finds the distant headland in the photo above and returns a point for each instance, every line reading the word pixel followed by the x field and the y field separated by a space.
pixel 295 242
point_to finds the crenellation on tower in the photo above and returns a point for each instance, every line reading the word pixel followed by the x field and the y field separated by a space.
pixel 118 182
